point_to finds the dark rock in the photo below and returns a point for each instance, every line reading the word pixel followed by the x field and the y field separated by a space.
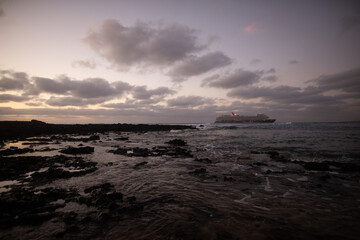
pixel 198 171
pixel 21 206
pixel 316 166
pixel 122 139
pixel 228 179
pixel 131 199
pixel 94 137
pixel 204 160
pixel 255 152
pixel 80 150
pixel 177 142
pixel 106 187
pixel 120 151
pixel 140 164
pixel 13 151
pixel 140 152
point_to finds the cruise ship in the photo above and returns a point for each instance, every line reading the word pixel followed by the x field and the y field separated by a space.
pixel 234 118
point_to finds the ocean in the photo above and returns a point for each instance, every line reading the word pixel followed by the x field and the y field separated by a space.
pixel 218 181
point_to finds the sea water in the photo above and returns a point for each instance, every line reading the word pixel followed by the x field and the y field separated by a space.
pixel 254 186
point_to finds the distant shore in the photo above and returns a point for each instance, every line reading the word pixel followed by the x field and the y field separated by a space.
pixel 22 129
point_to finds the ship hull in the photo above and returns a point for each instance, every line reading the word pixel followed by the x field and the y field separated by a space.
pixel 245 121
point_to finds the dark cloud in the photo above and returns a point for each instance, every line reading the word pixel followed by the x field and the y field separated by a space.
pixel 194 66
pixel 92 88
pixel 348 23
pixel 270 71
pixel 189 101
pixel 7 84
pixel 2 13
pixel 237 78
pixel 65 101
pixel 122 87
pixel 255 61
pixel 142 93
pixel 51 86
pixel 143 44
pixel 284 94
pixel 271 78
pixel 84 63
pixel 12 98
pixel 346 81
pixel 293 62
pixel 87 88
pixel 13 80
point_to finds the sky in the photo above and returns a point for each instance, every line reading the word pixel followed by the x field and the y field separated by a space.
pixel 168 61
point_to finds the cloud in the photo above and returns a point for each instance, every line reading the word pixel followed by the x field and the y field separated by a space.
pixel 293 62
pixel 255 61
pixel 141 92
pixel 84 63
pixel 92 88
pixel 189 101
pixel 143 44
pixel 12 98
pixel 271 70
pixel 284 94
pixel 346 81
pixel 194 66
pixel 87 88
pixel 348 23
pixel 13 80
pixel 271 78
pixel 237 78
pixel 74 101
pixel 51 86
pixel 65 101
pixel 2 12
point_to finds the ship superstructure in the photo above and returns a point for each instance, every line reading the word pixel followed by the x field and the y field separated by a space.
pixel 234 118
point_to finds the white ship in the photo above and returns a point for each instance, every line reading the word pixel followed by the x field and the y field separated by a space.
pixel 234 118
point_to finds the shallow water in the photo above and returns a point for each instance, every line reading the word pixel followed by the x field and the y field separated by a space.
pixel 243 193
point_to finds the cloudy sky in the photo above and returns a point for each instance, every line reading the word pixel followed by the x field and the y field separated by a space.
pixel 169 61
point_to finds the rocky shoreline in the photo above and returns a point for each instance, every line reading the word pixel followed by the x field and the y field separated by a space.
pixel 24 129
pixel 116 184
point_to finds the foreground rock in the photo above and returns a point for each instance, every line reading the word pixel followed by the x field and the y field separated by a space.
pixel 80 150
pixel 40 170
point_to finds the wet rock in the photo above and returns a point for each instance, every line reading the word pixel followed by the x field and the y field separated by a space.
pixel 15 150
pixel 177 142
pixel 255 152
pixel 120 151
pixel 198 171
pixel 131 199
pixel 228 179
pixel 69 217
pixel 94 137
pixel 80 150
pixel 35 143
pixel 140 152
pixel 106 187
pixel 140 164
pixel 203 160
pixel 348 167
pixel 46 149
pixel 13 167
pixel 29 207
pixel 122 139
pixel 316 166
